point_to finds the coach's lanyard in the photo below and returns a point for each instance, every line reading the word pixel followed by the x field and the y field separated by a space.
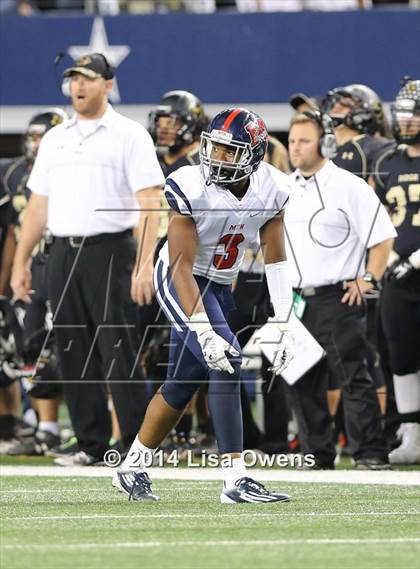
pixel 299 305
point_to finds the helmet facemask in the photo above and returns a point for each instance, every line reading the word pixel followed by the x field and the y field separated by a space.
pixel 343 99
pixel 38 126
pixel 32 140
pixel 406 121
pixel 364 109
pixel 182 133
pixel 182 136
pixel 185 108
pixel 223 172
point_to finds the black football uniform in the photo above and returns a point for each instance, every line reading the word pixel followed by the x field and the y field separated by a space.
pixel 14 179
pixel 10 172
pixel 397 180
pixel 191 159
pixel 359 154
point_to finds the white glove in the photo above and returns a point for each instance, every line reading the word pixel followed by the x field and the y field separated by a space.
pixel 283 335
pixel 212 345
pixel 414 259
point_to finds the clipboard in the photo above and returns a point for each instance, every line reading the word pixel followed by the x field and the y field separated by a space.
pixel 308 351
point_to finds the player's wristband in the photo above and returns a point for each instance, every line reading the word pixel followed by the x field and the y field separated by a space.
pixel 280 289
pixel 199 323
pixel 393 256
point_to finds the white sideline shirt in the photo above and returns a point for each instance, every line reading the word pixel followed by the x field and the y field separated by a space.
pixel 330 226
pixel 91 175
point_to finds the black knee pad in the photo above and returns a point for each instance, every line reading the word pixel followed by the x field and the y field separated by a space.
pixel 45 390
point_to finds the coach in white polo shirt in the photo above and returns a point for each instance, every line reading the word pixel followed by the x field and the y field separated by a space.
pixel 332 219
pixel 91 177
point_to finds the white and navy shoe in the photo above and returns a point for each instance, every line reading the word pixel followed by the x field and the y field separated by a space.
pixel 137 485
pixel 250 491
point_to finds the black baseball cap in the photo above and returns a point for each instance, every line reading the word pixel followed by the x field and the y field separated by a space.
pixel 92 65
pixel 299 98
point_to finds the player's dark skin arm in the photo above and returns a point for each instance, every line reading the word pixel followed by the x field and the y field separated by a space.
pixel 272 240
pixel 182 240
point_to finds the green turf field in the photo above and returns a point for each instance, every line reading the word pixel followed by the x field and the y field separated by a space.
pixel 64 522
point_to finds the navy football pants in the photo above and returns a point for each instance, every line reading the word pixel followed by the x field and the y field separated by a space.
pixel 187 369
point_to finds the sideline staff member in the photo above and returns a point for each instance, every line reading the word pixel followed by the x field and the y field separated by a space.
pixel 90 177
pixel 332 218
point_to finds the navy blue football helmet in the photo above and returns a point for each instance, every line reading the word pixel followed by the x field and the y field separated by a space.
pixel 405 112
pixel 242 130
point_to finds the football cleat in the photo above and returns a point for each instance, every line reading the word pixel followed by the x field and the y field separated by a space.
pixel 71 446
pixel 409 450
pixel 250 491
pixel 137 485
pixel 80 458
pixel 34 446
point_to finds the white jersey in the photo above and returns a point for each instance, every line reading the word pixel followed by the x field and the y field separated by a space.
pixel 226 225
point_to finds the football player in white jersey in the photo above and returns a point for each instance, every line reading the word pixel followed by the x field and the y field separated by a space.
pixel 218 208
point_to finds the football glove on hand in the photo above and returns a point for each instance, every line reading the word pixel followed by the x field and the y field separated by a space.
pixel 212 345
pixel 282 334
pixel 400 269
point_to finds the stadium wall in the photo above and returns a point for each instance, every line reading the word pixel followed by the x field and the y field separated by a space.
pixel 254 59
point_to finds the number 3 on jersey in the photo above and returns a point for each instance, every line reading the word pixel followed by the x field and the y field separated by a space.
pixel 228 258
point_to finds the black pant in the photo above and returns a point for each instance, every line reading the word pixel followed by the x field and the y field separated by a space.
pixel 400 310
pixel 252 300
pixel 341 330
pixel 95 329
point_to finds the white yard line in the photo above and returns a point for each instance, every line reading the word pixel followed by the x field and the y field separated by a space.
pixel 401 478
pixel 215 543
pixel 208 515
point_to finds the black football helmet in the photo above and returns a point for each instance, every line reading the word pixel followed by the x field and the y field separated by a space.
pixel 181 105
pixel 405 112
pixel 366 116
pixel 246 133
pixel 38 126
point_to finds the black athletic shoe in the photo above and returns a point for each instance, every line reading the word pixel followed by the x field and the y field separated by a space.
pixel 373 463
pixel 69 447
pixel 80 458
pixel 248 490
pixel 44 440
pixel 137 485
pixel 35 446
